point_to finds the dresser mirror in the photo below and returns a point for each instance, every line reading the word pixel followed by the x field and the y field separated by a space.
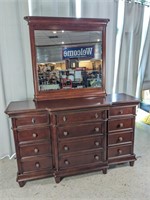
pixel 68 57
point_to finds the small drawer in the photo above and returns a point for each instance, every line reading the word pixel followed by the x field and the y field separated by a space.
pixel 120 124
pixel 82 159
pixel 82 130
pixel 35 149
pixel 80 145
pixel 119 138
pixel 115 111
pixel 32 120
pixel 36 164
pixel 81 116
pixel 119 151
pixel 34 134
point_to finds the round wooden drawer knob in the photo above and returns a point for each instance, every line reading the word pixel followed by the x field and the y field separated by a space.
pixel 96 157
pixel 120 139
pixel 96 129
pixel 36 150
pixel 66 162
pixel 97 143
pixel 119 151
pixel 34 135
pixel 64 119
pixel 121 112
pixel 33 121
pixel 121 125
pixel 66 148
pixel 66 133
pixel 37 165
pixel 96 116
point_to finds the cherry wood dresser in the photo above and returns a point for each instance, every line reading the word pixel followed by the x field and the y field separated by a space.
pixel 67 137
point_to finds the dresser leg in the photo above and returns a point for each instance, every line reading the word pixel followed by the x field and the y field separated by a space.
pixel 57 179
pixel 22 183
pixel 131 163
pixel 104 171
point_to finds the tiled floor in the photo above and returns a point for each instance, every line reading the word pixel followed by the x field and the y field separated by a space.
pixel 121 183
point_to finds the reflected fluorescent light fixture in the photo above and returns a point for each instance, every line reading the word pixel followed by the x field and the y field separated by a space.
pixel 54 32
pixel 78 8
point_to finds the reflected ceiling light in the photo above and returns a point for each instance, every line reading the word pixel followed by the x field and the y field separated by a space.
pixel 62 31
pixel 98 40
pixel 62 42
pixel 54 32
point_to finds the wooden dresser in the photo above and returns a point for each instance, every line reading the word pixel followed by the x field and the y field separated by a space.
pixel 62 138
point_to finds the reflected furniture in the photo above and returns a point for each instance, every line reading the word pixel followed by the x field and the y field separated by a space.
pixel 71 127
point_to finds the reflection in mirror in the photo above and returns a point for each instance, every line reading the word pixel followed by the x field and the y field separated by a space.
pixel 68 59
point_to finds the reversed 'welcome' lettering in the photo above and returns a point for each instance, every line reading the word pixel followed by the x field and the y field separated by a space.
pixel 78 52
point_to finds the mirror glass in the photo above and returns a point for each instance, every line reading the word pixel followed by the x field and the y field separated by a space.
pixel 68 59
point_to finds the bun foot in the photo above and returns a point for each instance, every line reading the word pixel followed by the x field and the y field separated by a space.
pixel 104 171
pixel 57 179
pixel 131 163
pixel 22 183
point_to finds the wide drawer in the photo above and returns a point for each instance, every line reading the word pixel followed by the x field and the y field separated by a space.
pixel 120 124
pixel 32 119
pixel 34 134
pixel 35 149
pixel 82 130
pixel 81 159
pixel 119 138
pixel 81 144
pixel 81 116
pixel 121 150
pixel 114 111
pixel 36 164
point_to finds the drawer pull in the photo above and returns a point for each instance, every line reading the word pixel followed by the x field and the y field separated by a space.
pixel 37 165
pixel 66 148
pixel 96 157
pixel 121 125
pixel 120 139
pixel 36 150
pixel 96 116
pixel 121 112
pixel 97 143
pixel 64 119
pixel 66 162
pixel 119 151
pixel 34 135
pixel 33 121
pixel 66 133
pixel 96 129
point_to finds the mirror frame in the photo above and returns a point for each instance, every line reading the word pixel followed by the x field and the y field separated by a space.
pixel 67 24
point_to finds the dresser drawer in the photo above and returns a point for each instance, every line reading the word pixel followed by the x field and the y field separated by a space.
pixel 120 124
pixel 34 134
pixel 81 159
pixel 80 144
pixel 121 150
pixel 82 130
pixel 35 149
pixel 36 164
pixel 118 138
pixel 115 111
pixel 32 119
pixel 81 116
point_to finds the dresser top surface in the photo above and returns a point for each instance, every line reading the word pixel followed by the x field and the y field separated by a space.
pixel 68 104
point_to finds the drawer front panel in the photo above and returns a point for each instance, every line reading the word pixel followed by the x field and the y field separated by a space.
pixel 78 160
pixel 119 151
pixel 34 134
pixel 120 124
pixel 66 118
pixel 121 111
pixel 35 149
pixel 32 120
pixel 37 164
pixel 82 130
pixel 79 145
pixel 120 138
